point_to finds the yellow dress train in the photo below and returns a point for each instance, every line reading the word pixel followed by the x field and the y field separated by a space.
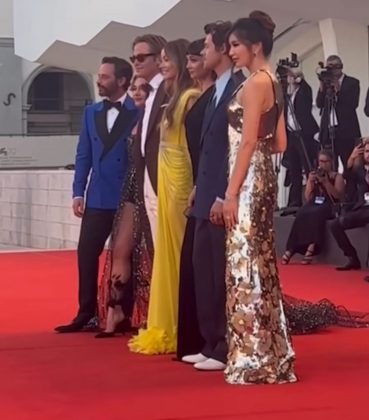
pixel 174 186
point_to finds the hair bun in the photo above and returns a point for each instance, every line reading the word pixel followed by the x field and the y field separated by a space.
pixel 264 19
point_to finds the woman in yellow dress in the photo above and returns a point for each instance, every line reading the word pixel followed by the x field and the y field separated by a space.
pixel 174 186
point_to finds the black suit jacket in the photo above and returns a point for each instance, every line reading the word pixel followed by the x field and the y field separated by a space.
pixel 212 176
pixel 150 160
pixel 303 104
pixel 366 108
pixel 347 101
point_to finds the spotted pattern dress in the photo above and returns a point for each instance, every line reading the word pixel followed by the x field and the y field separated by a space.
pixel 260 349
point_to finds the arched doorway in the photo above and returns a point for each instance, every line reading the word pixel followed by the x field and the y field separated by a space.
pixel 55 102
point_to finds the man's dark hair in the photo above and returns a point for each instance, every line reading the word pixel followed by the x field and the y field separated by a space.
pixel 155 42
pixel 219 32
pixel 121 69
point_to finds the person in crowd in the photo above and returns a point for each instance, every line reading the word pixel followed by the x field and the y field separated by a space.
pixel 101 155
pixel 207 198
pixel 189 340
pixel 146 61
pixel 358 171
pixel 301 129
pixel 130 247
pixel 174 186
pixel 324 189
pixel 346 94
pixel 259 345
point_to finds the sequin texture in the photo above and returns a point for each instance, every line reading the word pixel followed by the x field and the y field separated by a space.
pixel 260 349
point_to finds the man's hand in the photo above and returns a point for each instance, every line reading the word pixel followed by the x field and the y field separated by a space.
pixel 216 213
pixel 191 197
pixel 357 152
pixel 312 177
pixel 78 206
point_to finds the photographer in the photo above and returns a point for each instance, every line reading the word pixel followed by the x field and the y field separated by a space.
pixel 358 172
pixel 301 128
pixel 324 188
pixel 344 92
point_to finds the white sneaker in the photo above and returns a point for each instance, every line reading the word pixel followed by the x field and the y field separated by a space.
pixel 194 358
pixel 210 364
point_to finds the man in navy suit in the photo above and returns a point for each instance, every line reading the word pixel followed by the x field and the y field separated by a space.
pixel 102 157
pixel 208 195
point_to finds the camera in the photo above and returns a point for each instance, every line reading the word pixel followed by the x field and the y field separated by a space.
pixel 320 172
pixel 284 64
pixel 326 73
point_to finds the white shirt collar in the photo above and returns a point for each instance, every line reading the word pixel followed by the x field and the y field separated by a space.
pixel 156 81
pixel 122 98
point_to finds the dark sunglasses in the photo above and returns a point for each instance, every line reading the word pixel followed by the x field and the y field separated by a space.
pixel 141 57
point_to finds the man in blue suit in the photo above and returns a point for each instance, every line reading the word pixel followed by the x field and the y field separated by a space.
pixel 208 195
pixel 101 165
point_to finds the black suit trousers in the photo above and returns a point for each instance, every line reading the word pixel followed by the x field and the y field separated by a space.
pixel 96 227
pixel 353 219
pixel 209 276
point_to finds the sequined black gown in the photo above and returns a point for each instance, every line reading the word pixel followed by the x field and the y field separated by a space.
pixel 136 298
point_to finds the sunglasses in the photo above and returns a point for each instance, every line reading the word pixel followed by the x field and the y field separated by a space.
pixel 141 57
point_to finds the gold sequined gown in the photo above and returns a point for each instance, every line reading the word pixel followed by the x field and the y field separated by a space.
pixel 260 349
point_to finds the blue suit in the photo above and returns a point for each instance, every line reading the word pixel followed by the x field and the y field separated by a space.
pixel 209 239
pixel 103 155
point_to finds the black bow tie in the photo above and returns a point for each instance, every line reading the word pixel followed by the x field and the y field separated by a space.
pixel 109 105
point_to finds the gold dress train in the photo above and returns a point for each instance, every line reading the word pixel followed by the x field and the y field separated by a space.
pixel 174 187
pixel 260 349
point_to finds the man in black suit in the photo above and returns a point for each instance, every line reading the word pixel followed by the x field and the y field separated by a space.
pixel 358 216
pixel 208 195
pixel 302 149
pixel 344 118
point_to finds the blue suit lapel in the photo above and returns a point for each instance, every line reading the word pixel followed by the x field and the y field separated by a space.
pixel 210 115
pixel 122 126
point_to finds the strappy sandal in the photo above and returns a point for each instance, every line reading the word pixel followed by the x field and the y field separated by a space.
pixel 286 257
pixel 308 258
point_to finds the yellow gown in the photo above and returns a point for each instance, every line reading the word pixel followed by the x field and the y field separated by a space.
pixel 174 186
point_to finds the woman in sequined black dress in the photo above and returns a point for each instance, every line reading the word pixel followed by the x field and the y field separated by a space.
pixel 129 258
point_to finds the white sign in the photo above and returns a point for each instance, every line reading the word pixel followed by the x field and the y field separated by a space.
pixel 37 152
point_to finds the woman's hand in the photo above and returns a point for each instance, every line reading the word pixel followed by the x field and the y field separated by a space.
pixel 230 211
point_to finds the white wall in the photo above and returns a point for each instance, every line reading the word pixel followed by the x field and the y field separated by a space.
pixel 35 209
pixel 6 19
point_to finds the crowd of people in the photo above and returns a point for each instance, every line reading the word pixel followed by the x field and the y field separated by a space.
pixel 179 156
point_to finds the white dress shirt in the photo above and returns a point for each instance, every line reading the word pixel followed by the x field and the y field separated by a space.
pixel 113 113
pixel 291 123
pixel 154 83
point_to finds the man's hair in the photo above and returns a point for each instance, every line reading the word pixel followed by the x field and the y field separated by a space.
pixel 334 57
pixel 219 32
pixel 155 42
pixel 121 69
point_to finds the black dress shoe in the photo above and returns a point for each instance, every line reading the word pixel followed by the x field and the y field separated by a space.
pixel 352 264
pixel 75 326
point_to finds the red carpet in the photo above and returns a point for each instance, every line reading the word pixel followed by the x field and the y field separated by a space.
pixel 46 376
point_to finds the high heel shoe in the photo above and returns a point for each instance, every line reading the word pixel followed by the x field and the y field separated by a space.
pixel 122 327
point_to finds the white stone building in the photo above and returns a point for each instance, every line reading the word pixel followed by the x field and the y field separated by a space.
pixel 50 49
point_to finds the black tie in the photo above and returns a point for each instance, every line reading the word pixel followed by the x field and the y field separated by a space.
pixel 109 105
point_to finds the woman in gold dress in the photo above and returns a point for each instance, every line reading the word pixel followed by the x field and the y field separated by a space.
pixel 260 349
pixel 174 186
